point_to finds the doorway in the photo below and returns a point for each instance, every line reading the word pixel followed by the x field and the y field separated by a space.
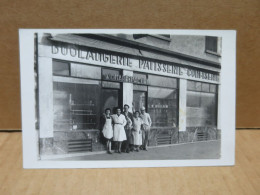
pixel 110 99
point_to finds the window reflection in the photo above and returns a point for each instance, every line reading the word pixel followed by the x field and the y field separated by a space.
pixel 76 106
pixel 139 100
pixel 162 106
pixel 60 68
pixel 201 105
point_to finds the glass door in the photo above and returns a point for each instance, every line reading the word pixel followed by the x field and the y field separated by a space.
pixel 139 100
pixel 110 99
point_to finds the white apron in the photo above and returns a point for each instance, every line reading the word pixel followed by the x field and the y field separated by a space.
pixel 119 131
pixel 108 129
pixel 137 133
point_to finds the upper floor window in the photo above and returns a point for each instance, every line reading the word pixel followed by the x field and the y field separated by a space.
pixel 212 45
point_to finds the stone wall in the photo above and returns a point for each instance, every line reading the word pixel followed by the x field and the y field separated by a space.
pixel 59 144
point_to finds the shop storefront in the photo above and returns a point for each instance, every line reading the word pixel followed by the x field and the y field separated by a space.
pixel 80 76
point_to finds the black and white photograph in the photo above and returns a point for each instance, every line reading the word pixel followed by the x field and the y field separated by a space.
pixel 127 98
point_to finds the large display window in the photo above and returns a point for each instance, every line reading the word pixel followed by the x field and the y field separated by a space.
pixel 162 106
pixel 76 97
pixel 162 101
pixel 76 105
pixel 201 104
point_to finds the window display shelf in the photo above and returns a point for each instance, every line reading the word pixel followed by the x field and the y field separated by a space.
pixel 83 114
pixel 72 104
pixel 81 110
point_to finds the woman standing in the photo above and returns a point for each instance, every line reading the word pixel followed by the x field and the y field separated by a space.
pixel 137 133
pixel 108 129
pixel 119 131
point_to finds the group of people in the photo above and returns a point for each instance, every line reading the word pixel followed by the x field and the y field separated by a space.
pixel 128 128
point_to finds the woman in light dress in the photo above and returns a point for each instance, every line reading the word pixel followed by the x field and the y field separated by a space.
pixel 108 129
pixel 137 132
pixel 119 130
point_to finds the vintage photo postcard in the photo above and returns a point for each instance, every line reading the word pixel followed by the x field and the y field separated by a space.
pixel 113 98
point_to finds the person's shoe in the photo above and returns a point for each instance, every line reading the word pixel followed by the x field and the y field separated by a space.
pixel 109 152
pixel 127 151
pixel 145 149
pixel 137 150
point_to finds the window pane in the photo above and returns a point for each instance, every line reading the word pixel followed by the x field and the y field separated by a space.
pixel 162 81
pixel 197 86
pixel 162 106
pixel 191 85
pixel 205 87
pixel 201 109
pixel 213 88
pixel 76 106
pixel 84 71
pixel 60 68
pixel 139 100
pixel 212 44
pixel 193 99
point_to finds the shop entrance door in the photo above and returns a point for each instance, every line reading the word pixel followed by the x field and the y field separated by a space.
pixel 110 99
pixel 139 100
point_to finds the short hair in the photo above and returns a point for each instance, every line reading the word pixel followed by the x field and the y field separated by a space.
pixel 118 108
pixel 137 112
pixel 107 110
pixel 127 105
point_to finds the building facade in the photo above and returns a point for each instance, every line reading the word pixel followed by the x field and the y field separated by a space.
pixel 78 76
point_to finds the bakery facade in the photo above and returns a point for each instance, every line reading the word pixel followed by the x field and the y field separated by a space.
pixel 78 76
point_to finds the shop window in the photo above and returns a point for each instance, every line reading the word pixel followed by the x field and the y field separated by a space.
pixel 201 105
pixel 61 68
pixel 161 81
pixel 212 44
pixel 205 87
pixel 76 106
pixel 162 106
pixel 213 88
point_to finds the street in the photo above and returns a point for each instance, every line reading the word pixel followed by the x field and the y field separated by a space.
pixel 198 150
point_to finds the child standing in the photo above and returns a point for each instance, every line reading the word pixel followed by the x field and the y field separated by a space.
pixel 108 129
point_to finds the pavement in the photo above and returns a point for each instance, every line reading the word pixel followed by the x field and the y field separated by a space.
pixel 197 150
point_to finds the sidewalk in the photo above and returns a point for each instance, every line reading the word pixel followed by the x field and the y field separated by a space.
pixel 198 150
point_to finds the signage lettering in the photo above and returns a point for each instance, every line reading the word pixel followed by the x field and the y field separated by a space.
pixel 90 55
pixel 142 65
pixel 124 78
